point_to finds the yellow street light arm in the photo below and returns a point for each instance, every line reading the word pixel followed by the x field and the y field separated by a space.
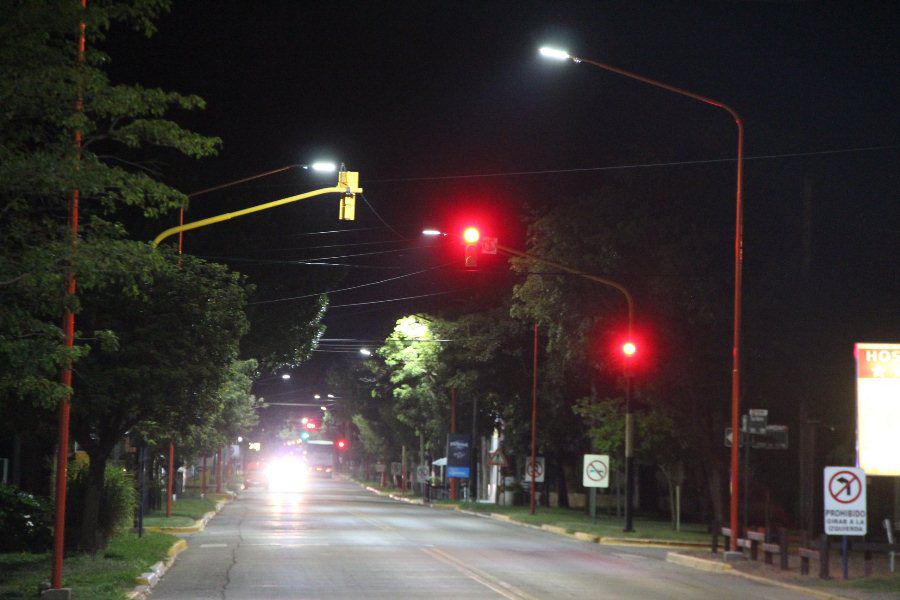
pixel 347 185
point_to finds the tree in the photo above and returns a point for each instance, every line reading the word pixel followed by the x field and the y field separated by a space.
pixel 641 235
pixel 47 95
pixel 171 331
pixel 411 354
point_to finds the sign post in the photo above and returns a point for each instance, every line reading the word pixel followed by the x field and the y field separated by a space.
pixel 595 474
pixel 845 504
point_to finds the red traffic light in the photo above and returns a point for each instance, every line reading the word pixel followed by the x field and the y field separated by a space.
pixel 471 235
pixel 341 444
pixel 629 349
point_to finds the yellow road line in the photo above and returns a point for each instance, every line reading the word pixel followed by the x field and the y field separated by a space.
pixel 489 581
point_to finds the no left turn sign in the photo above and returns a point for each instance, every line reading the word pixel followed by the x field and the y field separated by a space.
pixel 845 501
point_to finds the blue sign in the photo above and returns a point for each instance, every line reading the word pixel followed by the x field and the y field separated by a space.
pixel 460 472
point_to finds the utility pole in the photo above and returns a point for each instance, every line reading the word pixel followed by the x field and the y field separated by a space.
pixel 454 480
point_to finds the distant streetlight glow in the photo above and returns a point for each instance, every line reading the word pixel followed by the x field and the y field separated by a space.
pixel 325 408
pixel 554 53
pixel 365 352
pixel 286 376
pixel 316 396
pixel 430 232
pixel 323 167
pixel 330 395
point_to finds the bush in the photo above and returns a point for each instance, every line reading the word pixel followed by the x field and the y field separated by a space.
pixel 117 501
pixel 24 521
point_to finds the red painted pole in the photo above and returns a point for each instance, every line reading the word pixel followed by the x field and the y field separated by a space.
pixel 534 415
pixel 219 472
pixel 738 279
pixel 170 480
pixel 62 457
pixel 454 480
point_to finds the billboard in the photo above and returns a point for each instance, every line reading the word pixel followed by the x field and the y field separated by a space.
pixel 878 408
pixel 459 455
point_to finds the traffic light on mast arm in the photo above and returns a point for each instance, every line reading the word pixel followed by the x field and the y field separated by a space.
pixel 341 445
pixel 471 236
pixel 349 180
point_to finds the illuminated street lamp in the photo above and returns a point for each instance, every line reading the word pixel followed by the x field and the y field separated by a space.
pixel 365 352
pixel 286 376
pixel 558 54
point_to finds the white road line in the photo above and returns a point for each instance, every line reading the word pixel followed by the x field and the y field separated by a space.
pixel 213 545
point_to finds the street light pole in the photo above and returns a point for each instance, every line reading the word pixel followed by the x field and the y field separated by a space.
pixel 65 405
pixel 738 255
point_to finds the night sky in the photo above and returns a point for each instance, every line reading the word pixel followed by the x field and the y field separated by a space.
pixel 446 109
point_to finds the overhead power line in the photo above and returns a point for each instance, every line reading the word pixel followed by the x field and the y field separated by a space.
pixel 635 165
pixel 354 287
pixel 395 299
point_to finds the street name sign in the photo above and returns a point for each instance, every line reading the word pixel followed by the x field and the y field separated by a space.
pixel 757 421
pixel 538 470
pixel 878 408
pixel 596 471
pixel 845 501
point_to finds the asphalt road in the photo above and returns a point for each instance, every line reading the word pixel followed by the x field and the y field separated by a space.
pixel 334 539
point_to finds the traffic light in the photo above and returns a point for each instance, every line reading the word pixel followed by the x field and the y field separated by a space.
pixel 341 445
pixel 471 236
pixel 311 425
pixel 629 349
pixel 349 180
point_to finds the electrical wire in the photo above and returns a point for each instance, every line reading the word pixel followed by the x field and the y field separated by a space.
pixel 375 212
pixel 637 165
pixel 355 287
pixel 395 299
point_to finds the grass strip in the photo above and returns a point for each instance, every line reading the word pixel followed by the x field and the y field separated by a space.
pixel 573 520
pixel 106 576
pixel 185 511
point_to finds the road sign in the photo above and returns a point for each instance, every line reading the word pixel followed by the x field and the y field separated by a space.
pixel 489 245
pixel 379 467
pixel 498 458
pixel 538 470
pixel 845 501
pixel 421 473
pixel 395 469
pixel 758 420
pixel 775 438
pixel 596 470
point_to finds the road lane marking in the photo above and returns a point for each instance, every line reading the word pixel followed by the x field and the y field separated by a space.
pixel 489 581
pixel 213 545
pixel 372 522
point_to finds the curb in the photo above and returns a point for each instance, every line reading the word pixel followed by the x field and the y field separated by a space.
pixel 145 581
pixel 705 564
pixel 578 535
pixel 198 526
pixel 617 541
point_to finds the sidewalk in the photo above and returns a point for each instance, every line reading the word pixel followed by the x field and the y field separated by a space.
pixel 880 585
